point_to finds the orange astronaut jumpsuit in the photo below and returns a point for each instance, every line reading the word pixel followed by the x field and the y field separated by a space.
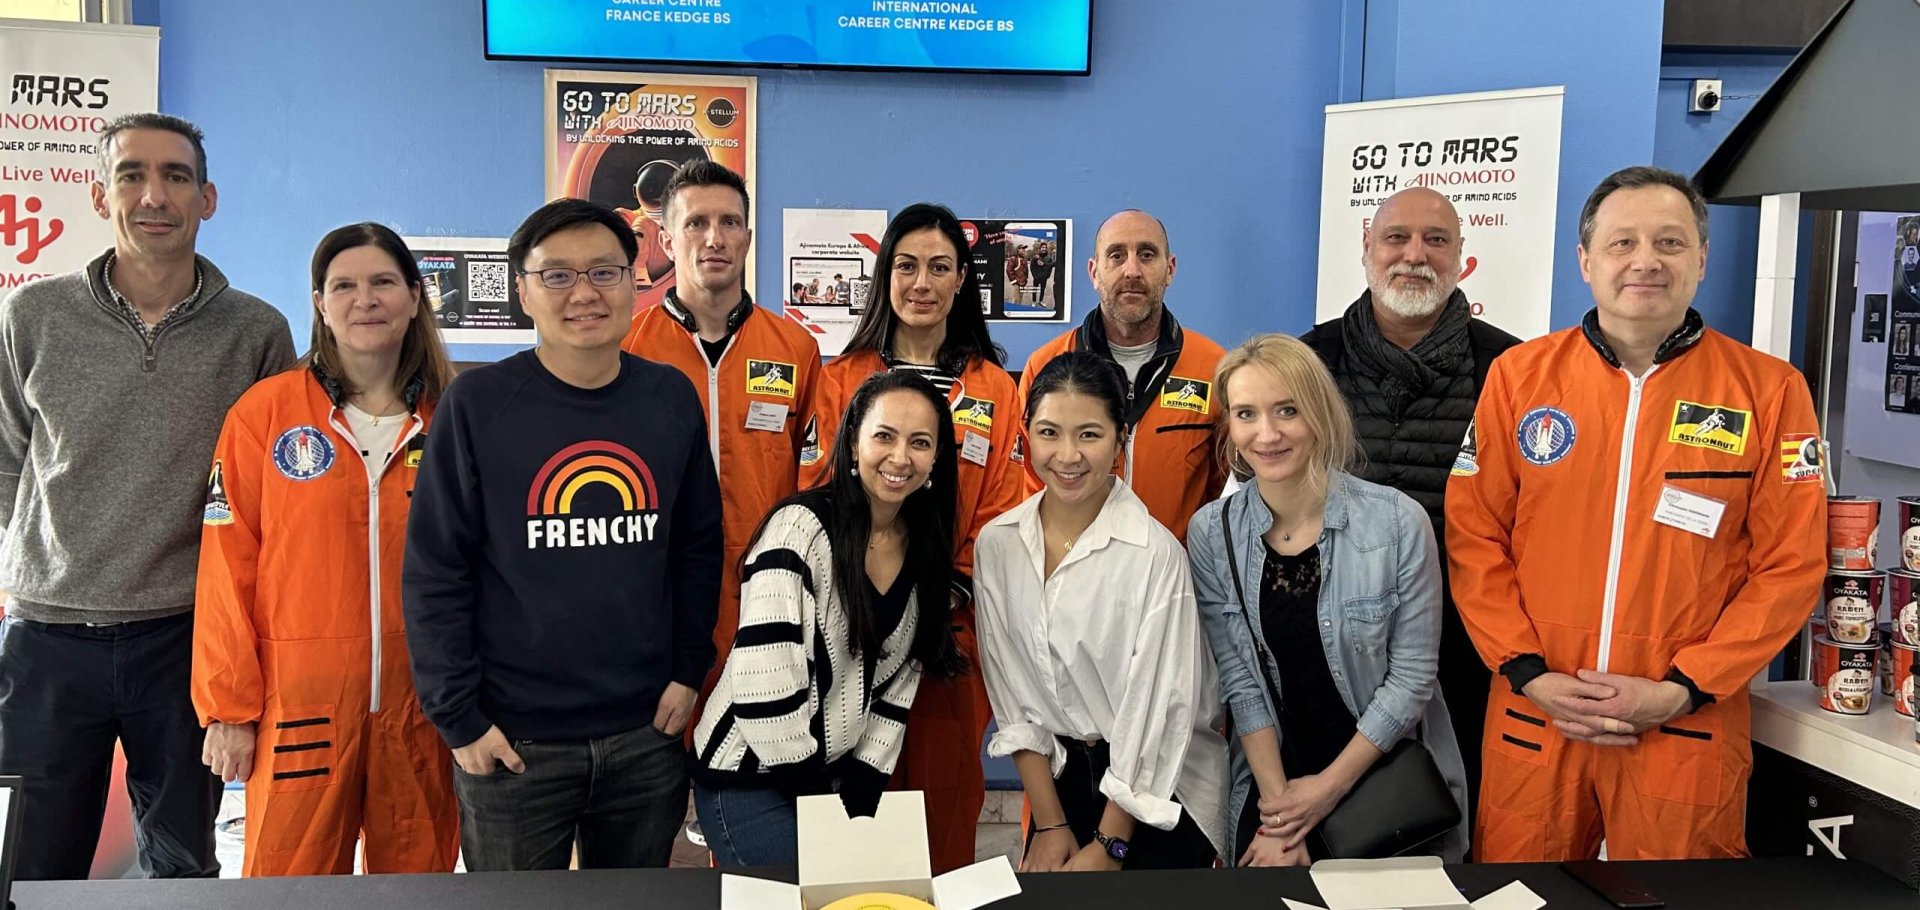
pixel 757 402
pixel 1560 564
pixel 285 636
pixel 949 717
pixel 1170 460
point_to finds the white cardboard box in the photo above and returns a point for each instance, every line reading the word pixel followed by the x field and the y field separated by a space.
pixel 841 857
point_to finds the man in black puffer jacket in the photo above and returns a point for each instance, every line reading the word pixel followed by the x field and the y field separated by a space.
pixel 1410 359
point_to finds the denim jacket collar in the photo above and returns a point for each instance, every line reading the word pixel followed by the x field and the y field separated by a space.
pixel 1254 515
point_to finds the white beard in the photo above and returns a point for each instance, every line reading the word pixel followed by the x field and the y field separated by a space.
pixel 1410 304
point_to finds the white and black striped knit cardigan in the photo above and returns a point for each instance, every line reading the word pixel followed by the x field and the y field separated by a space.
pixel 796 707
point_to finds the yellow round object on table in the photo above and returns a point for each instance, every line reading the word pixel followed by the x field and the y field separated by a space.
pixel 878 901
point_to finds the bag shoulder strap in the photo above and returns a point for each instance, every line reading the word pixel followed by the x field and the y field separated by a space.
pixel 1239 591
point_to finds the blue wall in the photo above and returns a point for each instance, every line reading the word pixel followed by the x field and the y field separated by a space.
pixel 321 114
pixel 1606 54
pixel 1683 141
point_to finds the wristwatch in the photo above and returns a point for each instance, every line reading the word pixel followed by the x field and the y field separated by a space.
pixel 1116 848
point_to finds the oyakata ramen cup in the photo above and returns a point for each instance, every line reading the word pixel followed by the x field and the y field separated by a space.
pixel 1902 656
pixel 1903 603
pixel 1853 605
pixel 1853 532
pixel 1910 533
pixel 1845 675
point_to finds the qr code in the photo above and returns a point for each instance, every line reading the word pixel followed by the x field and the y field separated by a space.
pixel 487 282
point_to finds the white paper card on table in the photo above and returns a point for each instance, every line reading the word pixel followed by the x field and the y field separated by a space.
pixel 1402 883
pixel 1515 896
pixel 975 886
pixel 741 892
pixel 1691 512
pixel 1292 904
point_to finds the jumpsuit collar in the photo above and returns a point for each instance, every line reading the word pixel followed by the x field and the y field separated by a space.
pixel 1691 330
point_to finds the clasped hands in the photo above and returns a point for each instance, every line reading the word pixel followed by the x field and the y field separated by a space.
pixel 1607 709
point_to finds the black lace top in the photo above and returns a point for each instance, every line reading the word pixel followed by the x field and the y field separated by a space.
pixel 1314 722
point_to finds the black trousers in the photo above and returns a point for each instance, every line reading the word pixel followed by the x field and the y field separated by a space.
pixel 67 692
pixel 1185 847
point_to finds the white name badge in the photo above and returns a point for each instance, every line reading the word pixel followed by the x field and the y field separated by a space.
pixel 764 416
pixel 1691 512
pixel 974 448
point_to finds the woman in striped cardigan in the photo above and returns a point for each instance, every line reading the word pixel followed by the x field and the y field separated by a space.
pixel 843 606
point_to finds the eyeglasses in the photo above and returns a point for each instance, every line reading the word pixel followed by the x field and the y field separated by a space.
pixel 603 276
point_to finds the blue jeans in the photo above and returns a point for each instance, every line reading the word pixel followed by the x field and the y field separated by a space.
pixel 748 826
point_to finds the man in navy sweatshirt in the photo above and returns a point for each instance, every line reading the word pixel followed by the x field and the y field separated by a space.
pixel 563 570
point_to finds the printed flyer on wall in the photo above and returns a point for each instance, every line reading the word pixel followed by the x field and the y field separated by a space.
pixel 829 269
pixel 618 138
pixel 1023 266
pixel 470 290
pixel 1903 319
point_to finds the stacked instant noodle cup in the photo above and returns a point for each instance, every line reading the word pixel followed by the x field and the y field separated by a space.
pixel 1853 652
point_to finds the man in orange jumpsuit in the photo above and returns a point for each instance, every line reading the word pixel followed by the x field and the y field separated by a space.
pixel 1629 550
pixel 754 370
pixel 1169 369
pixel 288 642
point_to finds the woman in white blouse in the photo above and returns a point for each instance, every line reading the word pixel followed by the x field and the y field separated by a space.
pixel 1102 685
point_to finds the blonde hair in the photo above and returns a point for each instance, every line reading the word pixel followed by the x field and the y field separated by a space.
pixel 1298 368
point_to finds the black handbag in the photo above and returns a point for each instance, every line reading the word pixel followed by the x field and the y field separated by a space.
pixel 1401 803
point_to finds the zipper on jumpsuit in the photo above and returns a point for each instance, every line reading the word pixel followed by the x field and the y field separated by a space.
pixel 1132 431
pixel 1617 544
pixel 713 394
pixel 373 540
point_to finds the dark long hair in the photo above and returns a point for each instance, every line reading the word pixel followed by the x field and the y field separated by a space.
pixel 1083 373
pixel 928 514
pixel 966 325
pixel 423 358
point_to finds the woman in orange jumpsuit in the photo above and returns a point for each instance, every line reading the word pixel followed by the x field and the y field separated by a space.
pixel 925 318
pixel 300 670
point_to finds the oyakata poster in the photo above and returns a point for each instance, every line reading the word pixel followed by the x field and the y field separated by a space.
pixel 619 138
pixel 470 289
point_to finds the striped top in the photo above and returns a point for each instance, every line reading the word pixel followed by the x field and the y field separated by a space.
pixel 941 379
pixel 796 707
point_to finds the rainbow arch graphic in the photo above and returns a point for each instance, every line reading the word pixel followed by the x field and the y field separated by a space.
pixel 584 464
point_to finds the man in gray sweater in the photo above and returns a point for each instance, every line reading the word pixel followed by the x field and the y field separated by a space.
pixel 114 381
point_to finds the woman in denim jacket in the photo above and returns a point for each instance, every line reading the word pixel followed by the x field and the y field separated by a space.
pixel 1343 580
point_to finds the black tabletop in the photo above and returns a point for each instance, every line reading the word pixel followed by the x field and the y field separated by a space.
pixel 1748 884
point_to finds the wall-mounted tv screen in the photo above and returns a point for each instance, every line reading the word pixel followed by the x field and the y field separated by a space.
pixel 1002 36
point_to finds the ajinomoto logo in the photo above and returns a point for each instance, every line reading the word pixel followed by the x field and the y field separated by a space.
pixel 1186 394
pixel 771 377
pixel 1710 426
pixel 604 479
